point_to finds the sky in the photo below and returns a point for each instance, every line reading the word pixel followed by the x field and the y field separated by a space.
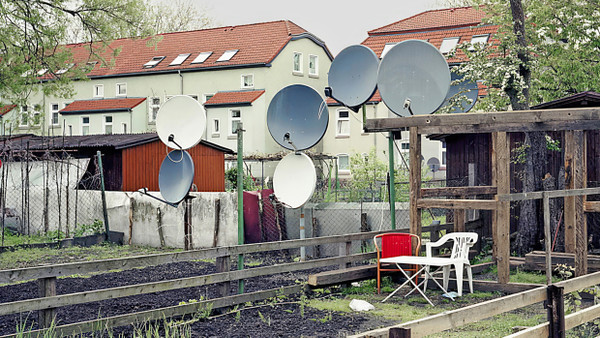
pixel 338 23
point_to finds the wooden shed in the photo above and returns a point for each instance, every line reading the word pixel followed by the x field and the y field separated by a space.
pixel 130 161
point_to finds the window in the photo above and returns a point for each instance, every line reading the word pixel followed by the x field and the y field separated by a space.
pixel 70 129
pixel 404 146
pixel 195 97
pixel 153 62
pixel 36 119
pixel 343 123
pixel 108 123
pixel 227 55
pixel 202 57
pixel 85 125
pixel 24 120
pixel 124 128
pixel 64 70
pixel 98 90
pixel 248 81
pixel 313 65
pixel 387 48
pixel 343 162
pixel 153 107
pixel 297 62
pixel 448 45
pixel 478 39
pixel 179 59
pixel 235 118
pixel 443 153
pixel 208 97
pixel 216 127
pixel 54 114
pixel 121 89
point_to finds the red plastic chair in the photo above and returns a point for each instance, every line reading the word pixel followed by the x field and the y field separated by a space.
pixel 392 245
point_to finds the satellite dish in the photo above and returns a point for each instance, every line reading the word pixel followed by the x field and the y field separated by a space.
pixel 468 94
pixel 433 164
pixel 353 75
pixel 413 78
pixel 176 176
pixel 294 180
pixel 297 117
pixel 180 122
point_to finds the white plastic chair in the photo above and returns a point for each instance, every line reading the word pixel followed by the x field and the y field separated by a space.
pixel 459 257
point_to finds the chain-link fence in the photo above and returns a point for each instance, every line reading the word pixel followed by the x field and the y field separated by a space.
pixel 49 192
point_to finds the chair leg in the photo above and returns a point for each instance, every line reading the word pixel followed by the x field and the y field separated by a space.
pixel 378 280
pixel 425 278
pixel 416 268
pixel 470 276
pixel 459 267
pixel 446 275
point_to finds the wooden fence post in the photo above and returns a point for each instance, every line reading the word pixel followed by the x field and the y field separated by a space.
pixel 47 288
pixel 223 264
pixel 501 216
pixel 344 250
pixel 399 332
pixel 555 306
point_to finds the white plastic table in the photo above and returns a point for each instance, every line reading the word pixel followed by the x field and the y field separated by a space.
pixel 425 263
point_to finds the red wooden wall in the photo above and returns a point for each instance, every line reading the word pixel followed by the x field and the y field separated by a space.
pixel 141 165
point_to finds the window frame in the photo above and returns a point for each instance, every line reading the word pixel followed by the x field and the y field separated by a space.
pixel 24 112
pixel 201 58
pixel 314 73
pixel 227 55
pixel 300 70
pixel 474 37
pixel 453 41
pixel 340 170
pixel 83 125
pixel 338 119
pixel 151 107
pixel 123 127
pixel 243 83
pixel 216 127
pixel 98 93
pixel 105 124
pixel 234 119
pixel 52 112
pixel 119 86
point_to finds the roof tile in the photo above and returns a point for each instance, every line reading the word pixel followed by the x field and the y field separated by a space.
pixel 6 108
pixel 234 98
pixel 435 19
pixel 102 105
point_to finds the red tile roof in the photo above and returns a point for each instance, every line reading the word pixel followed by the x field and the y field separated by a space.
pixel 96 106
pixel 6 108
pixel 257 44
pixel 434 19
pixel 376 98
pixel 245 97
pixel 433 26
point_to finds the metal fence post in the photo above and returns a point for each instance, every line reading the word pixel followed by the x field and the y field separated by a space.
pixel 104 211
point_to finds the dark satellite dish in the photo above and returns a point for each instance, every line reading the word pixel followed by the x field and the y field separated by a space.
pixel 297 117
pixel 353 75
pixel 294 180
pixel 176 176
pixel 413 78
pixel 180 122
pixel 464 92
pixel 433 164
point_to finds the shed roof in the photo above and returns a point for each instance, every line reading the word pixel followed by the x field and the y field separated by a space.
pixel 102 105
pixel 234 98
pixel 583 99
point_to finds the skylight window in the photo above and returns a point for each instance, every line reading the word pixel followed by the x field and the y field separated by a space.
pixel 152 63
pixel 387 48
pixel 478 39
pixel 64 70
pixel 228 55
pixel 202 57
pixel 179 59
pixel 448 45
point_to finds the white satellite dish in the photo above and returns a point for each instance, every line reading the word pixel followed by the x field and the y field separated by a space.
pixel 353 75
pixel 180 122
pixel 294 180
pixel 413 78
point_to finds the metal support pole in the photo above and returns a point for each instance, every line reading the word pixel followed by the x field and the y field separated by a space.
pixel 392 183
pixel 240 198
pixel 302 235
pixel 104 211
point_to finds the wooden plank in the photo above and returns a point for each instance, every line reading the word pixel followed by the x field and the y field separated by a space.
pixel 470 314
pixel 489 286
pixel 536 261
pixel 591 206
pixel 536 195
pixel 511 127
pixel 67 269
pixel 569 204
pixel 580 181
pixel 501 232
pixel 342 276
pixel 459 220
pixel 457 204
pixel 572 320
pixel 500 121
pixel 458 191
pixel 579 283
pixel 415 181
pixel 132 290
pixel 167 312
pixel 47 288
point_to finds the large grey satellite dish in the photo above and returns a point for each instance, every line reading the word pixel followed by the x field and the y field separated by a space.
pixel 180 122
pixel 176 176
pixel 297 117
pixel 294 180
pixel 353 75
pixel 413 78
pixel 462 95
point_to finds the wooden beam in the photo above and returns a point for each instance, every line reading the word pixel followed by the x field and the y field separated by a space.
pixel 580 181
pixel 492 121
pixel 501 224
pixel 457 204
pixel 536 195
pixel 458 191
pixel 415 181
pixel 571 320
pixel 511 127
pixel 535 260
pixel 459 220
pixel 569 204
pixel 591 206
pixel 343 276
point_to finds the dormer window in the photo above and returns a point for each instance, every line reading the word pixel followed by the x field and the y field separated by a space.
pixel 448 45
pixel 155 61
pixel 202 57
pixel 478 39
pixel 227 55
pixel 179 59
